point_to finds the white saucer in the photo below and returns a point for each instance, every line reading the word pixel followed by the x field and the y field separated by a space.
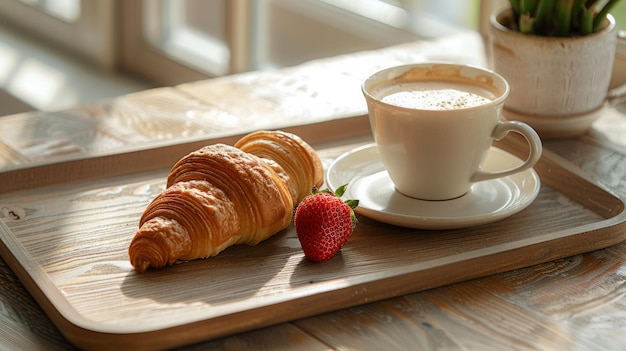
pixel 486 202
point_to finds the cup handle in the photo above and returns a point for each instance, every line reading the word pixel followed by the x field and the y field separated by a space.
pixel 499 132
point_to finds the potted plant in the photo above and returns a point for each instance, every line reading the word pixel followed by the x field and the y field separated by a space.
pixel 557 56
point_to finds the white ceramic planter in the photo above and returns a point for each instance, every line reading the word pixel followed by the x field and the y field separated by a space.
pixel 559 85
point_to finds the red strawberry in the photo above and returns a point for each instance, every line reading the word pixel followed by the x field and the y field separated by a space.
pixel 324 223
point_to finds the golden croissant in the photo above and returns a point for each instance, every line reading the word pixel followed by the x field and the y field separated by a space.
pixel 222 195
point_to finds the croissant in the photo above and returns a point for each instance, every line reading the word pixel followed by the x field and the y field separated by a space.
pixel 222 195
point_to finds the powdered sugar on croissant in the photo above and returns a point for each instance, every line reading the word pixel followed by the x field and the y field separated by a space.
pixel 222 195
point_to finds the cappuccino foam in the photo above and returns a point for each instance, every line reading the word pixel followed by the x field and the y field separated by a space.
pixel 435 99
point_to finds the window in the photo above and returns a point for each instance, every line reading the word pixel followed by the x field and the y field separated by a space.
pixel 176 41
pixel 201 34
pixel 66 10
pixel 229 36
pixel 80 26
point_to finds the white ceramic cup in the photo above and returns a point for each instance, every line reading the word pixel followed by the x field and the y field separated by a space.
pixel 436 154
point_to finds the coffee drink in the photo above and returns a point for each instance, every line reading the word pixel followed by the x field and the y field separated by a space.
pixel 435 96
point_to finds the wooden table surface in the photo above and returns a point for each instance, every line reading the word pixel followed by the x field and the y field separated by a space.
pixel 574 303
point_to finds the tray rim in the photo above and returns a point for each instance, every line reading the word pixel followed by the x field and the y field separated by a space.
pixel 92 335
pixel 135 159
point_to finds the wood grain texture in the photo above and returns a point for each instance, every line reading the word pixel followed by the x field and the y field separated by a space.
pixel 72 247
pixel 572 303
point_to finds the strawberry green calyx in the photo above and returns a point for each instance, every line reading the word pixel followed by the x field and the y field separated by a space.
pixel 339 193
pixel 351 203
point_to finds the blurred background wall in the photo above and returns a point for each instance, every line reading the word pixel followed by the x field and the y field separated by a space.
pixel 55 54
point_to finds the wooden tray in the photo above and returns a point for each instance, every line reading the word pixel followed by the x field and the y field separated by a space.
pixel 70 249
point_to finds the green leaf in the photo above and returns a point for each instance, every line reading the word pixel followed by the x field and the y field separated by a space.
pixel 563 10
pixel 560 17
pixel 586 22
pixel 543 16
pixel 516 7
pixel 527 7
pixel 352 203
pixel 341 190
